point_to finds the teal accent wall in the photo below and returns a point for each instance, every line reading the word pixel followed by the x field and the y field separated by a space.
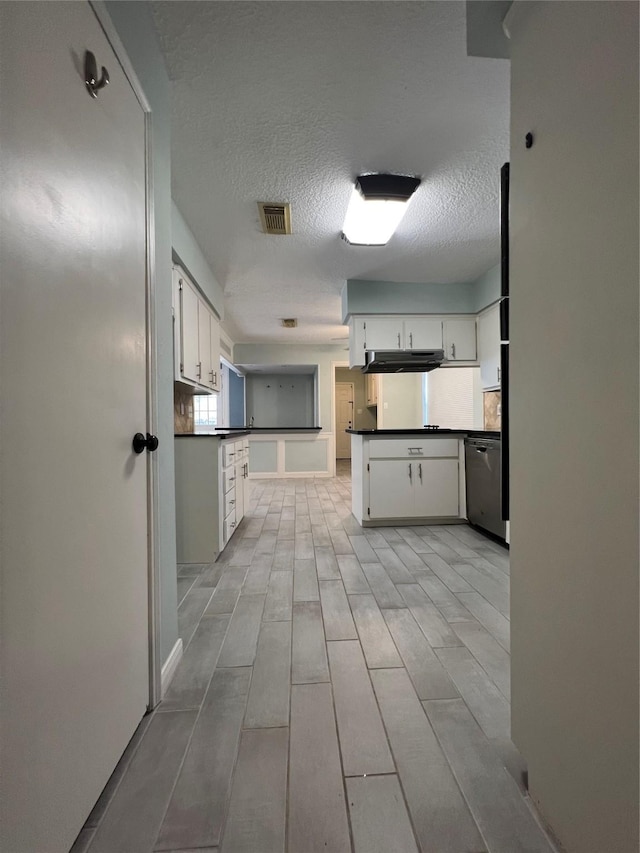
pixel 487 288
pixel 189 255
pixel 391 297
pixel 136 30
pixel 388 297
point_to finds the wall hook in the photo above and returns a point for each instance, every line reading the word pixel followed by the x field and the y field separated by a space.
pixel 91 75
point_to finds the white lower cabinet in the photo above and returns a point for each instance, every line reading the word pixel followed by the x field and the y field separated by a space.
pixel 406 477
pixel 211 494
pixel 425 488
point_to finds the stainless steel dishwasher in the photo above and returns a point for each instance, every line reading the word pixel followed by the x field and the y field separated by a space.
pixel 482 470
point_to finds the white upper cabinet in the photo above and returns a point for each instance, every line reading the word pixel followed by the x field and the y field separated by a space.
pixel 214 376
pixel 422 333
pixel 459 337
pixel 455 335
pixel 489 348
pixel 402 333
pixel 357 346
pixel 197 337
pixel 384 333
pixel 189 351
pixel 209 347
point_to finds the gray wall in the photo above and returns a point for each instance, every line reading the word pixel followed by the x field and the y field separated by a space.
pixel 320 356
pixel 280 399
pixel 236 399
pixel 574 476
pixel 136 30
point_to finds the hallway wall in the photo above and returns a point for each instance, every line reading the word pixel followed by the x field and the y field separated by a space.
pixel 574 473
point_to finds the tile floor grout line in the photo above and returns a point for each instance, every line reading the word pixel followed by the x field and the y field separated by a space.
pixel 195 723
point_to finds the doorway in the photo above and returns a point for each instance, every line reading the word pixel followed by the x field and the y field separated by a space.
pixel 344 418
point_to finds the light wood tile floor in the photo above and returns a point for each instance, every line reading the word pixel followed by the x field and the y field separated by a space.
pixel 342 689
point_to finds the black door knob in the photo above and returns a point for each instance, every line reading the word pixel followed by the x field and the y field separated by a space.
pixel 141 443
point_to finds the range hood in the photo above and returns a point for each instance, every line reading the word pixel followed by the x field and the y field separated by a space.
pixel 403 361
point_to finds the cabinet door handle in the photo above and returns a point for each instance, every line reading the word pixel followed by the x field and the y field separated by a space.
pixel 199 369
pixel 410 480
pixel 398 340
pixel 410 340
pixel 453 350
pixel 498 374
pixel 420 470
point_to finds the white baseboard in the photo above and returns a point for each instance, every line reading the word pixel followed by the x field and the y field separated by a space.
pixel 169 667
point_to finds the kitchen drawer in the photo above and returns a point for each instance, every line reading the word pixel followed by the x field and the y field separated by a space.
pixel 228 453
pixel 229 502
pixel 418 447
pixel 228 479
pixel 229 526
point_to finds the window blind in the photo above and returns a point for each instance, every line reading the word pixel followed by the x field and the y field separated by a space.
pixel 450 396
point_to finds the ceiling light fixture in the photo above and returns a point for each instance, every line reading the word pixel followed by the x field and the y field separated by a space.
pixel 378 203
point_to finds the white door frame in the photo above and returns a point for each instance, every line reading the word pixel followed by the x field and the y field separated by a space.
pixel 334 364
pixel 153 569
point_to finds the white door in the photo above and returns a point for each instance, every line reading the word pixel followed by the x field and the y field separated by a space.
pixel 73 527
pixel 344 419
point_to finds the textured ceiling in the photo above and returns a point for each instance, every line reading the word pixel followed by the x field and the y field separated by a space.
pixel 290 101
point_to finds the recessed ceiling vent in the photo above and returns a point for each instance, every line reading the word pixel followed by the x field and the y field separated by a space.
pixel 275 217
pixel 289 322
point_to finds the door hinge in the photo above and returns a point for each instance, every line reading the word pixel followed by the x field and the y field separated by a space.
pixel 181 367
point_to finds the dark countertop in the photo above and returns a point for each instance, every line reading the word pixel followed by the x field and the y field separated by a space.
pixel 284 429
pixel 476 433
pixel 222 433
pixel 407 431
pixel 236 432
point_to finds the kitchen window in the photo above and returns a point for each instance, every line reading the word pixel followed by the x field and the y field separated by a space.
pixel 205 412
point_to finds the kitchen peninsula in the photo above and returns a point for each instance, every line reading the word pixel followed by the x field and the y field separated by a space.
pixel 408 476
pixel 212 473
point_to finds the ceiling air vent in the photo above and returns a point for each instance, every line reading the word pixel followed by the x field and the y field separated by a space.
pixel 275 217
pixel 289 322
